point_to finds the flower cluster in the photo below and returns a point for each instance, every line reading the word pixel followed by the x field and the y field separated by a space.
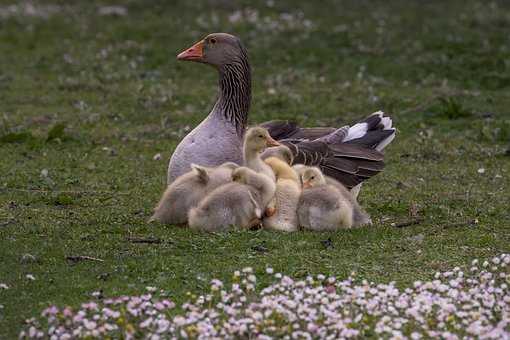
pixel 456 304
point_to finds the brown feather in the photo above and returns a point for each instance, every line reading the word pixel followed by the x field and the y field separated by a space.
pixel 349 162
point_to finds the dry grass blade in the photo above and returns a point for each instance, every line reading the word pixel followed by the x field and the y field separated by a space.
pixel 80 258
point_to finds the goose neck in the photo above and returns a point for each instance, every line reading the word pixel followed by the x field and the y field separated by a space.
pixel 235 93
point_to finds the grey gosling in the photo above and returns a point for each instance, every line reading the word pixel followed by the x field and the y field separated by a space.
pixel 239 204
pixel 323 206
pixel 187 190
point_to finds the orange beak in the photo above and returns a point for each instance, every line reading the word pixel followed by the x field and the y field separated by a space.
pixel 271 142
pixel 306 185
pixel 194 53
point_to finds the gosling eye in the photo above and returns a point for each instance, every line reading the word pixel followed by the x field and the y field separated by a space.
pixel 313 177
pixel 260 136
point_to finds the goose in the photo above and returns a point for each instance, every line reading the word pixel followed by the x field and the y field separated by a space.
pixel 238 204
pixel 187 191
pixel 350 154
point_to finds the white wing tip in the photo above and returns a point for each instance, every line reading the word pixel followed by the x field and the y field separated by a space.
pixel 356 131
pixel 384 143
pixel 387 123
pixel 385 120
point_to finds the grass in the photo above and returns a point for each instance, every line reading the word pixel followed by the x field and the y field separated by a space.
pixel 87 100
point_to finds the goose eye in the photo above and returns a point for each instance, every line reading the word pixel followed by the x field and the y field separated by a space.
pixel 212 41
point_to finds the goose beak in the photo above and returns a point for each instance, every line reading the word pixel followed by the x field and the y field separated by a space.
pixel 271 142
pixel 194 53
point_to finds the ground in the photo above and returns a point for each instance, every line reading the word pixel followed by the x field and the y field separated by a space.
pixel 90 94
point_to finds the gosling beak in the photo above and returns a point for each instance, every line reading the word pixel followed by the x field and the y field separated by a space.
pixel 271 142
pixel 306 185
pixel 194 53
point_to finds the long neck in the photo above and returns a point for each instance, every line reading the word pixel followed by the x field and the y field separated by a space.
pixel 235 92
pixel 251 158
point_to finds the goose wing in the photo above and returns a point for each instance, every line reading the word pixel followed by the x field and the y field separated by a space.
pixel 348 164
pixel 374 132
pixel 350 154
pixel 284 129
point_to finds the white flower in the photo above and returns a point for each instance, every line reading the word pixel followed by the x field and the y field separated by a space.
pixel 454 305
pixel 30 277
pixel 3 286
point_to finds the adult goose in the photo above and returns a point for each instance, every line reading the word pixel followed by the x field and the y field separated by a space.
pixel 348 154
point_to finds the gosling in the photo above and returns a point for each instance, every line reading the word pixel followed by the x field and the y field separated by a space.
pixel 360 216
pixel 257 139
pixel 321 206
pixel 282 213
pixel 239 204
pixel 187 191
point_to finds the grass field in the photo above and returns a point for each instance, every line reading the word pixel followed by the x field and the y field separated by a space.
pixel 88 98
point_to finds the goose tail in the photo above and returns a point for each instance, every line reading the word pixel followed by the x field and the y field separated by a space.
pixel 375 132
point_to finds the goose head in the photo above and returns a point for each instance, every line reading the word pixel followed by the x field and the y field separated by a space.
pixel 257 139
pixel 227 54
pixel 312 177
pixel 216 49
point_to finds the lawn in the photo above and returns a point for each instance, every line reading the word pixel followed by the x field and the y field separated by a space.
pixel 90 95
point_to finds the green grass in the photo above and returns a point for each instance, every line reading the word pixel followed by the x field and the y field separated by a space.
pixel 93 98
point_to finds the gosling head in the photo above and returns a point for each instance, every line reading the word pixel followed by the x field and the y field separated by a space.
pixel 281 152
pixel 312 177
pixel 242 174
pixel 257 139
pixel 201 173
